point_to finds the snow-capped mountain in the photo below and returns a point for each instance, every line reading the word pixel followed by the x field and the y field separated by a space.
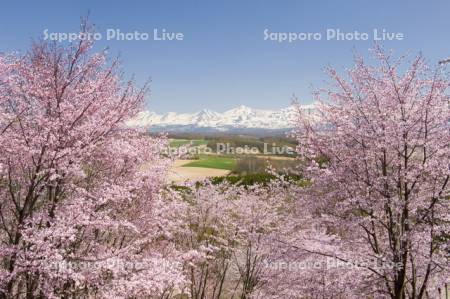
pixel 238 118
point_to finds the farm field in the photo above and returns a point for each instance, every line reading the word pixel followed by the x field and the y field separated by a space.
pixel 213 161
pixel 208 164
pixel 180 172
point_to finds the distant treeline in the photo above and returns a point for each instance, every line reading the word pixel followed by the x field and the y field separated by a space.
pixel 256 178
pixel 251 165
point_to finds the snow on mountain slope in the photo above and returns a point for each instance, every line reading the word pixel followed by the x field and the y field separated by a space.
pixel 241 117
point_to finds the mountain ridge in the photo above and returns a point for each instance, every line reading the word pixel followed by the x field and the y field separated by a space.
pixel 238 118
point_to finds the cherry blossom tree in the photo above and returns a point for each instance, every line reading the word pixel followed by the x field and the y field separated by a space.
pixel 231 228
pixel 378 158
pixel 85 211
pixel 82 213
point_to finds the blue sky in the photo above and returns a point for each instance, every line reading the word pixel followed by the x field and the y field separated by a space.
pixel 224 60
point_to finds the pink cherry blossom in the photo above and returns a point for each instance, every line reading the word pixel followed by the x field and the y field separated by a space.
pixel 379 157
pixel 82 212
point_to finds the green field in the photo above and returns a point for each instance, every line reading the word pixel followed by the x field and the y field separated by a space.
pixel 181 142
pixel 210 161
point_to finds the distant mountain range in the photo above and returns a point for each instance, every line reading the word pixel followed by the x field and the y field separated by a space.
pixel 239 119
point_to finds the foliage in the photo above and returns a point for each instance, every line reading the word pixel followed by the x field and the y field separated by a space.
pixel 254 179
pixel 249 164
